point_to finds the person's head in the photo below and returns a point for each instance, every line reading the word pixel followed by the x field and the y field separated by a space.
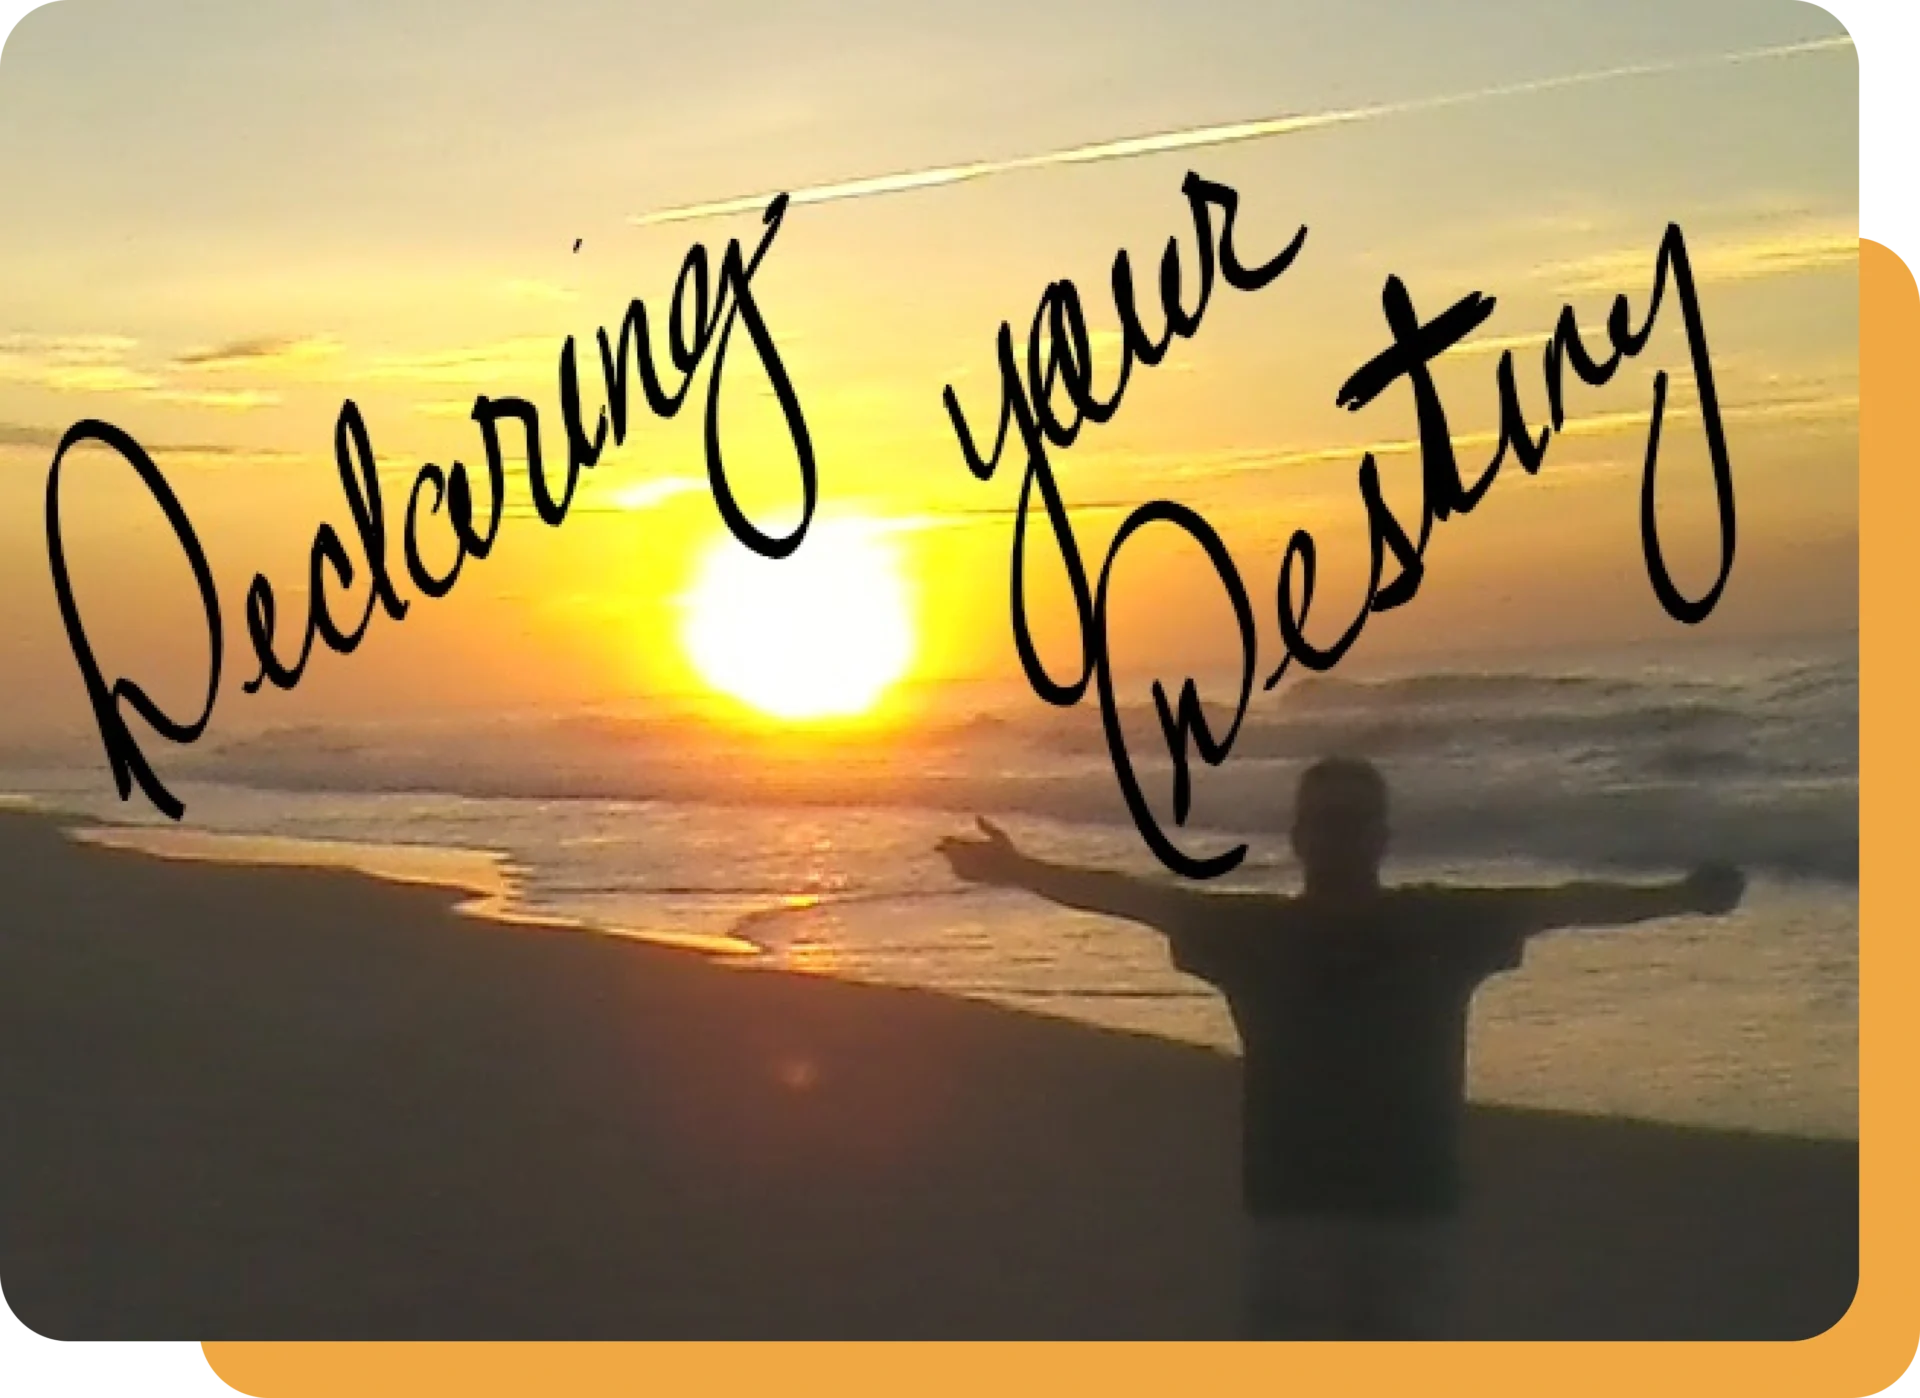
pixel 1340 824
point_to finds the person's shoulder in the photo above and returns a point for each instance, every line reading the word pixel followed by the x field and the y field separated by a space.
pixel 1192 904
pixel 1467 902
pixel 1249 910
pixel 1455 894
pixel 1225 936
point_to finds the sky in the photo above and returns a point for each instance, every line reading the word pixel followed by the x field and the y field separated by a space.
pixel 224 219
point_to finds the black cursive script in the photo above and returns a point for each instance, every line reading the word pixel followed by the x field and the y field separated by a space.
pixel 1058 360
pixel 705 310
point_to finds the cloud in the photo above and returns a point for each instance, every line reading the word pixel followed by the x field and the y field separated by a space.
pixel 76 363
pixel 226 399
pixel 1238 462
pixel 65 349
pixel 1163 142
pixel 528 289
pixel 980 516
pixel 653 493
pixel 1590 335
pixel 100 364
pixel 95 378
pixel 1806 250
pixel 260 351
pixel 40 438
pixel 633 498
pixel 219 451
pixel 1242 461
pixel 481 364
pixel 20 434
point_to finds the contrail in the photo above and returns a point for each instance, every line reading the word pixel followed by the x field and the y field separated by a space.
pixel 1160 142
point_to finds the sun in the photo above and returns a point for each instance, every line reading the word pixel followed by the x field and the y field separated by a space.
pixel 821 634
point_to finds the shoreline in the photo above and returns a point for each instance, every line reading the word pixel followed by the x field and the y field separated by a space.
pixel 267 1103
pixel 481 875
pixel 485 885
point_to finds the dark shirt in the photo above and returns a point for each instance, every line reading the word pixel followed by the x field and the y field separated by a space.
pixel 1353 1024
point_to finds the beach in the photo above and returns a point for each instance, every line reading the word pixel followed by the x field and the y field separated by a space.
pixel 278 1103
pixel 490 792
pixel 815 852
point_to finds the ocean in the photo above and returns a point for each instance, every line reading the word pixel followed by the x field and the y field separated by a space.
pixel 815 853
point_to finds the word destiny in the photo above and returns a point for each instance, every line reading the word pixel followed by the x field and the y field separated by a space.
pixel 1059 364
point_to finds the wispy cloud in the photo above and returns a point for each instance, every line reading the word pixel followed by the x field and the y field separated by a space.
pixel 1236 463
pixel 91 378
pixel 65 349
pixel 633 498
pixel 226 399
pixel 71 363
pixel 1772 255
pixel 103 364
pixel 227 453
pixel 1189 138
pixel 533 289
pixel 263 351
pixel 478 364
pixel 1242 461
pixel 1495 344
pixel 989 515
pixel 21 434
pixel 653 493
pixel 42 438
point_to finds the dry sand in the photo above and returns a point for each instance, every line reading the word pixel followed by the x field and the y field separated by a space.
pixel 254 1103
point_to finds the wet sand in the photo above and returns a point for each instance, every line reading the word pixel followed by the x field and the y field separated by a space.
pixel 267 1103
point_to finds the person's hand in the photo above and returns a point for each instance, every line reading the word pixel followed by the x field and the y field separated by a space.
pixel 992 859
pixel 1714 888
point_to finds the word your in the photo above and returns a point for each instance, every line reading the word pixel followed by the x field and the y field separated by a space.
pixel 1058 363
pixel 704 312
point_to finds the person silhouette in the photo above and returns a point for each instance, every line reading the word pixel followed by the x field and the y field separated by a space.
pixel 1351 1001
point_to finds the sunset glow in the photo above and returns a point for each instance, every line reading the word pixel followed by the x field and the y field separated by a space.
pixel 819 635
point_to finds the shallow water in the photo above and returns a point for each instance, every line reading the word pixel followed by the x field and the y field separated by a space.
pixel 824 863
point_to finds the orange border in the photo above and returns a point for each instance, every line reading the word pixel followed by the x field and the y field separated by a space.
pixel 1867 1350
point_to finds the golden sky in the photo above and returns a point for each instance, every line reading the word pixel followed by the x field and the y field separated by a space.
pixel 222 219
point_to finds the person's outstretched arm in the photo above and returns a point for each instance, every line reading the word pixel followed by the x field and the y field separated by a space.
pixel 1709 889
pixel 1207 933
pixel 994 859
